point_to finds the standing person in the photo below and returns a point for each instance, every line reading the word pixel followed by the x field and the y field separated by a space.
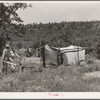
pixel 6 58
pixel 13 56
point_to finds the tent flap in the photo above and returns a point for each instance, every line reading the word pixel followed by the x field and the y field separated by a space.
pixel 50 55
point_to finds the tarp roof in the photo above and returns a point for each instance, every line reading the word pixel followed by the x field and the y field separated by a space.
pixel 69 48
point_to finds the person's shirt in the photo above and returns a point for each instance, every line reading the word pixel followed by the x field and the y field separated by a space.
pixel 13 54
pixel 6 55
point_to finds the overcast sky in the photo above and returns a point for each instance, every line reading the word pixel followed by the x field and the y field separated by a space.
pixel 58 12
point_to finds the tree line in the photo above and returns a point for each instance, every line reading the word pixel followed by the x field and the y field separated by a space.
pixel 81 33
pixel 85 34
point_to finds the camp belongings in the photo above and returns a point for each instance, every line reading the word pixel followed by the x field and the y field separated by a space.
pixel 67 55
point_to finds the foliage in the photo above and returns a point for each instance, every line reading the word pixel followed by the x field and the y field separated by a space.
pixel 8 16
pixel 85 34
pixel 19 45
pixel 98 51
pixel 8 12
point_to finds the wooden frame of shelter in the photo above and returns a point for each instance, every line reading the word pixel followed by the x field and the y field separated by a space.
pixel 42 54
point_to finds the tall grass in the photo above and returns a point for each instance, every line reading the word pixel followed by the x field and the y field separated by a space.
pixel 60 79
pixel 52 80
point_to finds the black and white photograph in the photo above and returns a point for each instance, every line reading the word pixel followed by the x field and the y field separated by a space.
pixel 49 47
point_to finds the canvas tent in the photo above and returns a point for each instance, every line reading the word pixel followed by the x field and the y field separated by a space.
pixel 67 55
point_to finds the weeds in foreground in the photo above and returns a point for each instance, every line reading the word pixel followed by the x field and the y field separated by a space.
pixel 61 79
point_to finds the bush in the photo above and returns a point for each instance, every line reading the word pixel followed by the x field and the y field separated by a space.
pixel 19 45
pixel 98 51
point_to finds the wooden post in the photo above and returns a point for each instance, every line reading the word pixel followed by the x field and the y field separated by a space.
pixel 43 56
pixel 78 55
pixel 57 58
pixel 58 53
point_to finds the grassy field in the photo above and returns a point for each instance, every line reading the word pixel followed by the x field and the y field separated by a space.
pixel 58 79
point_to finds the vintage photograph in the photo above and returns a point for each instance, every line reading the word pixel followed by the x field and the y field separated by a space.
pixel 49 46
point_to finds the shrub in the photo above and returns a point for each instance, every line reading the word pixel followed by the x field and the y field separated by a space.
pixel 98 51
pixel 19 45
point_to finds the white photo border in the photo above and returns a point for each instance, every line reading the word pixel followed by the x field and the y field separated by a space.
pixel 50 95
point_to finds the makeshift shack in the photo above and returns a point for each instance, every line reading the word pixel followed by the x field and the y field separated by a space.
pixel 67 55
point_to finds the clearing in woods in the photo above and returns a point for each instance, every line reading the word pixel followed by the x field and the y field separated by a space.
pixel 58 79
